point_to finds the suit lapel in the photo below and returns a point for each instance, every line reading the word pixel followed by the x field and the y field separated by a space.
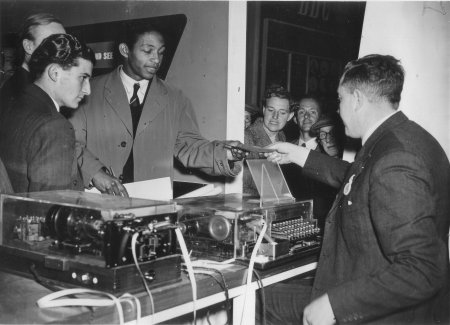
pixel 116 96
pixel 153 105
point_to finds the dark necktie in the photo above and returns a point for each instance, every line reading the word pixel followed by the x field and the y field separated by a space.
pixel 136 110
pixel 303 145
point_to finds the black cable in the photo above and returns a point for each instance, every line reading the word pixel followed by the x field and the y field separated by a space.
pixel 263 297
pixel 45 283
pixel 207 318
pixel 223 284
pixel 122 247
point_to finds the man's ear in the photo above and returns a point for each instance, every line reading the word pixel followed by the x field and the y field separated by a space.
pixel 53 72
pixel 359 98
pixel 123 49
pixel 27 46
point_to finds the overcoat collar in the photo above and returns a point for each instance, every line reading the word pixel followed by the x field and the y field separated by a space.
pixel 116 96
pixel 257 128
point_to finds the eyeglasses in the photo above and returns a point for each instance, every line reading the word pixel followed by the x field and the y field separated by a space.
pixel 326 136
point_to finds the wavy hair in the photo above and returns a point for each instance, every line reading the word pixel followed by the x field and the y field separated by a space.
pixel 279 92
pixel 62 49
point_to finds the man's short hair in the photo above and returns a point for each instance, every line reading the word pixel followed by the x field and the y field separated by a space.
pixel 296 102
pixel 62 49
pixel 279 92
pixel 26 30
pixel 379 76
pixel 133 31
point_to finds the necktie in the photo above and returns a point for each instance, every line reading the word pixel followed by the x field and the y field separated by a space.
pixel 303 145
pixel 136 107
pixel 135 97
pixel 136 110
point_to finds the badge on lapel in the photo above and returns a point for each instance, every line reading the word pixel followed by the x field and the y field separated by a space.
pixel 348 186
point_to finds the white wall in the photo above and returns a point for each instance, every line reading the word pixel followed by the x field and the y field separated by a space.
pixel 417 33
pixel 237 22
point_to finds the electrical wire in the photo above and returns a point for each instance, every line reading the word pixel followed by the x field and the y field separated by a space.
pixel 222 283
pixel 50 300
pixel 127 297
pixel 261 291
pixel 187 261
pixel 251 266
pixel 45 283
pixel 144 280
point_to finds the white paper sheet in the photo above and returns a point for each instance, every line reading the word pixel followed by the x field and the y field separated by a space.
pixel 153 189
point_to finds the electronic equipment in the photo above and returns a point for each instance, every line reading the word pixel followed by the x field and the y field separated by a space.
pixel 227 226
pixel 82 239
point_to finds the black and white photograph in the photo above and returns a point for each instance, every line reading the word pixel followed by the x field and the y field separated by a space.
pixel 207 162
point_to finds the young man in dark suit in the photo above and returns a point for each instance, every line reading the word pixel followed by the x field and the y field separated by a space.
pixel 384 258
pixel 37 143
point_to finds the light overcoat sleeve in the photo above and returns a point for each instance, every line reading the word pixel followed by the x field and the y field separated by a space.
pixel 194 151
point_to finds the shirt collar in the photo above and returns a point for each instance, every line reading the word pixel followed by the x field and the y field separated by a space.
pixel 310 144
pixel 128 84
pixel 372 129
pixel 58 108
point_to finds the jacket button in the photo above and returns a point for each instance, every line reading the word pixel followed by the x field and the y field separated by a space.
pixel 123 144
pixel 75 182
pixel 121 178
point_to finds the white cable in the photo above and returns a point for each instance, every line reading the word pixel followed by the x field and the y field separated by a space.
pixel 133 251
pixel 251 265
pixel 49 300
pixel 190 270
pixel 127 297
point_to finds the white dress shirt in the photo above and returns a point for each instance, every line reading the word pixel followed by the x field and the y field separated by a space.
pixel 310 144
pixel 128 84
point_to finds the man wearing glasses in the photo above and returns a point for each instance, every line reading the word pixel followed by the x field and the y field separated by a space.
pixel 328 130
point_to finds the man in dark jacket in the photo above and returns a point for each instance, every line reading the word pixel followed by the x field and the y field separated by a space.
pixel 384 258
pixel 36 142
pixel 36 28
